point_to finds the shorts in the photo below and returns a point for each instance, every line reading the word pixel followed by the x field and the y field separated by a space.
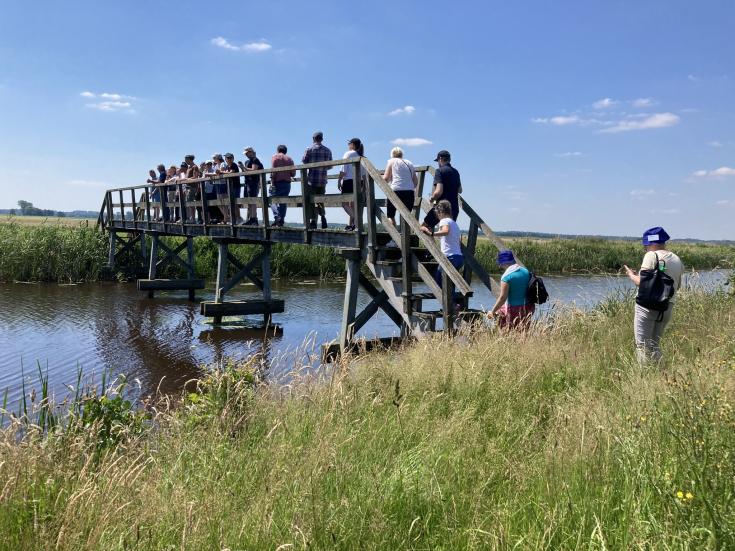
pixel 156 195
pixel 407 198
pixel 220 188
pixel 252 189
pixel 191 193
pixel 347 186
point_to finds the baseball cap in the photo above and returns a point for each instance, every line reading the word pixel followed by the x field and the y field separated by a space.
pixel 318 136
pixel 190 156
pixel 443 154
pixel 655 235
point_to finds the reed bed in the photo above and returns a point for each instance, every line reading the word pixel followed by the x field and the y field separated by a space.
pixel 59 253
pixel 554 439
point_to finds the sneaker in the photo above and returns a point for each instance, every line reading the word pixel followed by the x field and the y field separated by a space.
pixel 391 244
pixel 349 227
pixel 324 223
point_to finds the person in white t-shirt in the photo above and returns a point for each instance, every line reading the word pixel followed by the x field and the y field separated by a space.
pixel 450 238
pixel 347 180
pixel 649 324
pixel 401 175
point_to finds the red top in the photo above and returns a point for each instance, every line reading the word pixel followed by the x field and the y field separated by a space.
pixel 281 159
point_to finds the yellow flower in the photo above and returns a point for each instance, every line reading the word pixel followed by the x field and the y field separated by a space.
pixel 689 496
pixel 680 494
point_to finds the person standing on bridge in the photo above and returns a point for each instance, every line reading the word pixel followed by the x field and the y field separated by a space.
pixel 347 180
pixel 232 168
pixel 657 282
pixel 451 244
pixel 317 153
pixel 281 183
pixel 447 185
pixel 220 167
pixel 401 175
pixel 252 183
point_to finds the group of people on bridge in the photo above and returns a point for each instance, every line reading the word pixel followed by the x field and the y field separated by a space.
pixel 399 173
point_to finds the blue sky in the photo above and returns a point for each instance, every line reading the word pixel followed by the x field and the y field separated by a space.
pixel 573 117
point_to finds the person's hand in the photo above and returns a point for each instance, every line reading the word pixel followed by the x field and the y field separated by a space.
pixel 491 314
pixel 425 230
pixel 628 270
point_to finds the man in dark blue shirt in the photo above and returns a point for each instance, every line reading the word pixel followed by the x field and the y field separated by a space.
pixel 447 185
pixel 252 183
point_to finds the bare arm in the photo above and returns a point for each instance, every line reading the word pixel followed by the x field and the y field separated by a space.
pixel 388 174
pixel 504 291
pixel 635 278
pixel 438 192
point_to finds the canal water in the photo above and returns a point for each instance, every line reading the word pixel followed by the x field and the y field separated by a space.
pixel 163 342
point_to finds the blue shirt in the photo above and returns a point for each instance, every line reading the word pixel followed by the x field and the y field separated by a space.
pixel 518 283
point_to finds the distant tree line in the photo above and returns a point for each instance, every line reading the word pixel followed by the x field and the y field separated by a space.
pixel 27 209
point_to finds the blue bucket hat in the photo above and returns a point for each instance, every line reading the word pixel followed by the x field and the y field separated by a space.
pixel 506 257
pixel 652 236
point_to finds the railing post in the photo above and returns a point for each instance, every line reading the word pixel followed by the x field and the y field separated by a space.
pixel 448 303
pixel 419 195
pixel 372 221
pixel 205 207
pixel 264 203
pixel 231 206
pixel 471 246
pixel 148 206
pixel 407 265
pixel 357 201
pixel 266 269
pixel 306 205
pixel 110 211
pixel 190 262
pixel 182 206
pixel 135 215
pixel 153 265
pixel 111 251
pixel 122 207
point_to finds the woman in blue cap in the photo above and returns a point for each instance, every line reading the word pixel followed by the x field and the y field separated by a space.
pixel 650 321
pixel 512 309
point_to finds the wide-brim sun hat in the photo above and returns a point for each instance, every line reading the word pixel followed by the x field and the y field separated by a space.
pixel 506 257
pixel 654 236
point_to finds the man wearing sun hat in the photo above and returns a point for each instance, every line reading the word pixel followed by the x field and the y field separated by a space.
pixel 651 318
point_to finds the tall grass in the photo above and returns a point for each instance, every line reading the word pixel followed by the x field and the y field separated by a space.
pixel 58 253
pixel 552 440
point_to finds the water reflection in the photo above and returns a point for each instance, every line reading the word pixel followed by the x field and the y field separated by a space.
pixel 165 341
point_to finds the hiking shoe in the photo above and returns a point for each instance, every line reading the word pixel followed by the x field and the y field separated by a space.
pixel 349 227
pixel 324 223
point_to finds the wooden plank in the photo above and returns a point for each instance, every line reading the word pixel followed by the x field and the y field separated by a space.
pixel 307 206
pixel 328 199
pixel 352 286
pixel 406 264
pixel 372 221
pixel 221 272
pixel 368 312
pixel 153 263
pixel 386 306
pixel 264 204
pixel 419 195
pixel 427 241
pixel 244 271
pixel 470 250
pixel 331 352
pixel 242 308
pixel 447 304
pixel 170 284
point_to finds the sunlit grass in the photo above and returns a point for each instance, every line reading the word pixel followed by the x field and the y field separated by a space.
pixel 555 439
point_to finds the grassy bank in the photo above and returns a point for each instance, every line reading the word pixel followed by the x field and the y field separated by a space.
pixel 556 440
pixel 66 254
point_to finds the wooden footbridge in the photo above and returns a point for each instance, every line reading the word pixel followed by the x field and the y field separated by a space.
pixel 390 275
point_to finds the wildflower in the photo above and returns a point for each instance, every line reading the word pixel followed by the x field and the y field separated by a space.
pixel 680 494
pixel 689 496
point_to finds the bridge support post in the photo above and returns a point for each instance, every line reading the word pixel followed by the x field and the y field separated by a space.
pixel 352 286
pixel 153 262
pixel 111 252
pixel 190 264
pixel 265 306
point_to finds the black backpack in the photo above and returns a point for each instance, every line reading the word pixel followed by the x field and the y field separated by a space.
pixel 536 292
pixel 656 288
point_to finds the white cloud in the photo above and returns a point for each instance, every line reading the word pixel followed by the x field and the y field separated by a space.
pixel 722 172
pixel 641 193
pixel 407 110
pixel 665 211
pixel 643 102
pixel 725 203
pixel 411 142
pixel 657 120
pixel 568 154
pixel 107 101
pixel 253 47
pixel 715 143
pixel 564 120
pixel 604 103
